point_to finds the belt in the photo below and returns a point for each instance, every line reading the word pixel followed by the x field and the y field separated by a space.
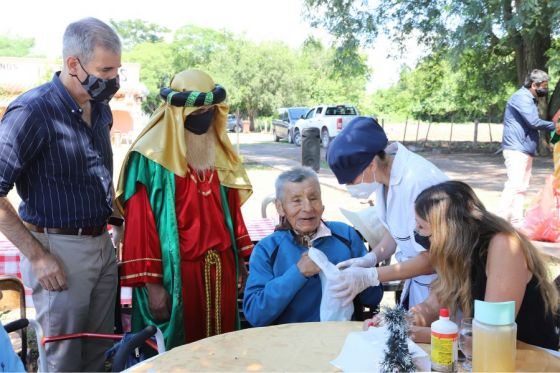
pixel 88 231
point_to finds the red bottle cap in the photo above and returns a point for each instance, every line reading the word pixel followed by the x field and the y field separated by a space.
pixel 444 312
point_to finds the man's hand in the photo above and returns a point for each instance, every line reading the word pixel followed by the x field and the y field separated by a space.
pixel 159 302
pixel 48 270
pixel 352 281
pixel 243 274
pixel 366 261
pixel 117 234
pixel 306 266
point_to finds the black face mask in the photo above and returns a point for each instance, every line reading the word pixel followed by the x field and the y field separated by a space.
pixel 542 92
pixel 100 90
pixel 423 241
pixel 199 124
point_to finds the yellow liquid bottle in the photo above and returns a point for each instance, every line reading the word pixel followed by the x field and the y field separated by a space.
pixel 494 337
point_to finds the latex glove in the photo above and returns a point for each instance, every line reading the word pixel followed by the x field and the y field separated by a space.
pixel 352 281
pixel 117 234
pixel 366 261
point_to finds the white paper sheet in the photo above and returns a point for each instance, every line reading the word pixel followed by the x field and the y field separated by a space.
pixel 364 352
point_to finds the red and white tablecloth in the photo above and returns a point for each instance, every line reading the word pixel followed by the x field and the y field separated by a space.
pixel 9 256
pixel 259 228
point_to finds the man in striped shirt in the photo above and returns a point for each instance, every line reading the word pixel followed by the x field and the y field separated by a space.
pixel 55 147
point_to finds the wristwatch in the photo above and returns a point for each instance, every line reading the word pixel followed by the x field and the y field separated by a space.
pixel 115 220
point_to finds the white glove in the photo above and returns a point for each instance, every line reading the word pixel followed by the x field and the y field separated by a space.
pixel 117 234
pixel 366 261
pixel 352 281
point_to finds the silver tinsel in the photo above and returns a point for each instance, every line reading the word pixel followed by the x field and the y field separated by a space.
pixel 397 355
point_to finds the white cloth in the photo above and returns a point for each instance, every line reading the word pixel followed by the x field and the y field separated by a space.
pixel 332 308
pixel 410 175
pixel 518 166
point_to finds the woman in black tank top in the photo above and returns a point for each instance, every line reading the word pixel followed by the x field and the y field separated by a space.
pixel 479 255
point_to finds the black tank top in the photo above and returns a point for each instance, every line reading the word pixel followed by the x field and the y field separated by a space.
pixel 534 325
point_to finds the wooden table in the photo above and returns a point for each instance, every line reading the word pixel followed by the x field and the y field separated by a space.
pixel 290 347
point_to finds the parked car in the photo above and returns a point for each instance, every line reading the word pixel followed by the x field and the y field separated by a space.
pixel 232 124
pixel 283 123
pixel 330 119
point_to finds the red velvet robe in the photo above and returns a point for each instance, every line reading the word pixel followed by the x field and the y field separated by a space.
pixel 201 226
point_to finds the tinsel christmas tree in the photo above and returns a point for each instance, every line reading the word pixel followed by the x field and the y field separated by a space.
pixel 397 356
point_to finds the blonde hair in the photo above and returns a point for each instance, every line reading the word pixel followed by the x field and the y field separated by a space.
pixel 462 225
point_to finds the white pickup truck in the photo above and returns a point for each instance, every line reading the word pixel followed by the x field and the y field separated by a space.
pixel 330 119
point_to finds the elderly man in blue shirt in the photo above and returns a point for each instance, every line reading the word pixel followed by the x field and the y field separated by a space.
pixel 284 284
pixel 519 144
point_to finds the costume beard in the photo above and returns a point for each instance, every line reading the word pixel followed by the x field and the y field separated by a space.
pixel 201 150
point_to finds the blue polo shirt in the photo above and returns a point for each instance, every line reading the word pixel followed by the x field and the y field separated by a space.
pixel 62 168
pixel 522 123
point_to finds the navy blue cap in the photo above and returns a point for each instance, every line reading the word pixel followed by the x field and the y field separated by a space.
pixel 353 149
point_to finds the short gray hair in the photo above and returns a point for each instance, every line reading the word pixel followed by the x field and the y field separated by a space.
pixel 536 76
pixel 81 38
pixel 293 175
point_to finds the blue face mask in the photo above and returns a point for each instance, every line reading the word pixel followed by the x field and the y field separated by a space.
pixel 199 124
pixel 100 90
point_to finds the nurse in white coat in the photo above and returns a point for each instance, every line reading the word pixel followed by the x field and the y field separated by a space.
pixel 360 158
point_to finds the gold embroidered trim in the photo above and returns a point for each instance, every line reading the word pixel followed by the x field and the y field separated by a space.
pixel 142 274
pixel 140 259
pixel 246 247
pixel 213 259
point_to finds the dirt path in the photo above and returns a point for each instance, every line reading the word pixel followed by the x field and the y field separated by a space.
pixel 484 172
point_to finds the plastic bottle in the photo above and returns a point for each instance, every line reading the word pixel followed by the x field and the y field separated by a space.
pixel 494 337
pixel 444 343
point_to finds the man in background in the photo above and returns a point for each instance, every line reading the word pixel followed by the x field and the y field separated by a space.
pixel 519 143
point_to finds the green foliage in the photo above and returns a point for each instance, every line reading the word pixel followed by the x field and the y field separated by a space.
pixel 480 49
pixel 137 31
pixel 15 47
pixel 258 77
pixel 156 69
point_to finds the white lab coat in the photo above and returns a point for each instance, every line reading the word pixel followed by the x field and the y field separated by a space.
pixel 410 175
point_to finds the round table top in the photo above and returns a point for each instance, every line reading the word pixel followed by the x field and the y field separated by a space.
pixel 289 348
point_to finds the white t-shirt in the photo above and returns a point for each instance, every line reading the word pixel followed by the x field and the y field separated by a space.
pixel 410 175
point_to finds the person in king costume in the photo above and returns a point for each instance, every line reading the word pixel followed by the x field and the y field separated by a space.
pixel 181 188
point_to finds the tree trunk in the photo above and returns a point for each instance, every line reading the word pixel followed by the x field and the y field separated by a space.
pixel 530 53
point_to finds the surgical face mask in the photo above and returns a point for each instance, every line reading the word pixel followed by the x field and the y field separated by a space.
pixel 199 124
pixel 100 90
pixel 542 92
pixel 423 241
pixel 363 190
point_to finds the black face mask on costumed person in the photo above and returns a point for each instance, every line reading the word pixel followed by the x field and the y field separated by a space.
pixel 100 90
pixel 423 241
pixel 199 124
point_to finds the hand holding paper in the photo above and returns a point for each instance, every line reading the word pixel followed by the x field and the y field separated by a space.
pixel 352 281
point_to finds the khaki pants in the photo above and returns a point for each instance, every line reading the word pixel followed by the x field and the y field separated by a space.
pixel 87 306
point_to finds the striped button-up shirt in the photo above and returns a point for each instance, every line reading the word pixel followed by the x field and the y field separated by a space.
pixel 62 168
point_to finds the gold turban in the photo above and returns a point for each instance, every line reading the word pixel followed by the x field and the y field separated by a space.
pixel 163 140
